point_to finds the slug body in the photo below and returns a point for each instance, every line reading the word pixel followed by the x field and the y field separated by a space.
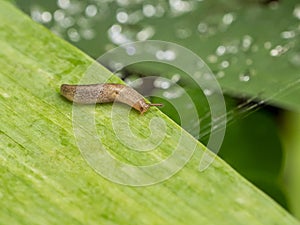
pixel 103 93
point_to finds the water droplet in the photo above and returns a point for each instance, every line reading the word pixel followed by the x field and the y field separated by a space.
pixel 295 59
pixel 122 17
pixel 64 4
pixel 267 45
pixel 116 66
pixel 220 74
pixel 149 10
pixel 228 18
pixel 123 2
pixel 174 92
pixel 224 64
pixel 130 50
pixel 73 34
pixel 175 78
pixel 116 36
pixel 296 12
pixel 116 28
pixel 220 50
pixel 46 17
pixel 207 76
pixel 207 92
pixel 244 77
pixel 179 6
pixel 87 34
pixel 202 28
pixel 145 34
pixel 160 11
pixel 278 50
pixel 67 22
pixel 135 17
pixel 183 33
pixel 59 15
pixel 232 48
pixel 91 10
pixel 168 55
pixel 200 64
pixel 36 14
pixel 288 34
pixel 161 83
pixel 212 58
pixel 83 22
pixel 247 41
pixel 134 82
pixel 249 62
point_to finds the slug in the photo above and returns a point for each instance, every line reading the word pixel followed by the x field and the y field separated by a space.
pixel 103 93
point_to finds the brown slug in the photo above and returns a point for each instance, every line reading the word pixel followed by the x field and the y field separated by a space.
pixel 107 92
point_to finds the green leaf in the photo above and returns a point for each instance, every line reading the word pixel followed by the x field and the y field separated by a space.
pixel 45 180
pixel 254 54
pixel 291 144
pixel 261 157
pixel 252 46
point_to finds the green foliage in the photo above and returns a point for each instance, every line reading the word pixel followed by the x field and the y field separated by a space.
pixel 44 179
pixel 252 46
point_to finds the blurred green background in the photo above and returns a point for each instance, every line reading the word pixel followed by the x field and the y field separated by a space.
pixel 252 47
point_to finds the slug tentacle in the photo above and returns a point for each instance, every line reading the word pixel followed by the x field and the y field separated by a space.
pixel 102 93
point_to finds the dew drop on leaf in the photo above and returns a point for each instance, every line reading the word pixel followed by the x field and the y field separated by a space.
pixel 244 77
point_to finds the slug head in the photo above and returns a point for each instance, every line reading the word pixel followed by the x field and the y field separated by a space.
pixel 143 107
